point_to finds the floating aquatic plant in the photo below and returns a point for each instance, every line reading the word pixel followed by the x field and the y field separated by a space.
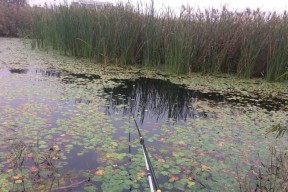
pixel 52 138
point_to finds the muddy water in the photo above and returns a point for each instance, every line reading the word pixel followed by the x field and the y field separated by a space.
pixel 67 129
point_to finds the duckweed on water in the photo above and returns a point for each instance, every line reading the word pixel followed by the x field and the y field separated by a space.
pixel 58 136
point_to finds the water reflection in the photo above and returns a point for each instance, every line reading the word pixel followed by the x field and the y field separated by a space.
pixel 46 72
pixel 156 100
pixel 19 71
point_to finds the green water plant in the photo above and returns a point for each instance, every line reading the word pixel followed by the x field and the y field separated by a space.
pixel 278 129
pixel 272 174
pixel 248 43
pixel 73 139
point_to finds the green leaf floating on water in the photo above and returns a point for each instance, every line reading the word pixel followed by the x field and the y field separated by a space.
pixel 63 132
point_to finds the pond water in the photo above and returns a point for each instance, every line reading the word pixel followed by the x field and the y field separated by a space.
pixel 64 131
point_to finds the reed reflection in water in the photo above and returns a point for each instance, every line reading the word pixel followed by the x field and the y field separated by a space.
pixel 155 100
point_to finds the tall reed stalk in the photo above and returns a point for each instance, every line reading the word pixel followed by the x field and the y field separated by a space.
pixel 248 43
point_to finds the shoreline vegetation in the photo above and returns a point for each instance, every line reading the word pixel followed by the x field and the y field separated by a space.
pixel 271 175
pixel 267 174
pixel 248 44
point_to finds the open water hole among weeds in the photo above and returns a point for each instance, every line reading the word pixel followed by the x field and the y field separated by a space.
pixel 62 131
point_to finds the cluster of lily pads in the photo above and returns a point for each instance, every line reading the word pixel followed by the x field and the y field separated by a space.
pixel 61 135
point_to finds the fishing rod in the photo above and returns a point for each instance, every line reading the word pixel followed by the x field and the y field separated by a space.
pixel 153 183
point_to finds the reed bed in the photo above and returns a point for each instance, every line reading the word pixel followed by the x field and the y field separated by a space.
pixel 15 19
pixel 248 43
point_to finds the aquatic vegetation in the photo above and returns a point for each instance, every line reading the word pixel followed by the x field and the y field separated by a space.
pixel 272 174
pixel 248 43
pixel 15 19
pixel 65 124
pixel 278 129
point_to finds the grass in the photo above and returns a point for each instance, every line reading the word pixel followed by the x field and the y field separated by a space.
pixel 248 43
